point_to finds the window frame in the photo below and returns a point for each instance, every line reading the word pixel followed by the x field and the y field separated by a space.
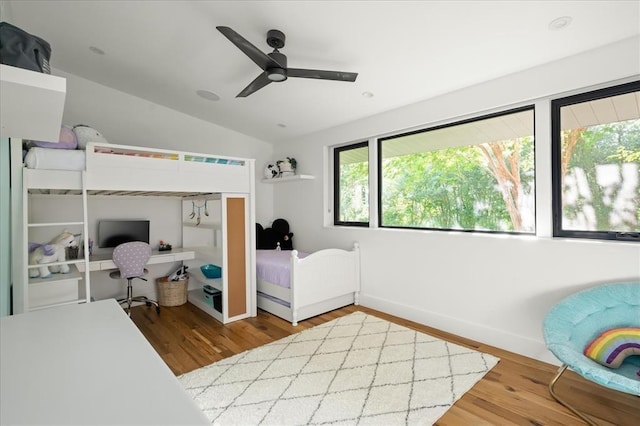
pixel 336 184
pixel 528 107
pixel 556 162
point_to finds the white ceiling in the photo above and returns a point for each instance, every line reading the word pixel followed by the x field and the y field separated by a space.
pixel 404 51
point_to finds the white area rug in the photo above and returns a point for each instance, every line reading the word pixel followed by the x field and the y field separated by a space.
pixel 357 369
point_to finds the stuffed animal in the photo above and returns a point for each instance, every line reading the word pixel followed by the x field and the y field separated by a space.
pixel 278 236
pixel 67 140
pixel 270 171
pixel 287 167
pixel 54 251
pixel 285 238
pixel 85 134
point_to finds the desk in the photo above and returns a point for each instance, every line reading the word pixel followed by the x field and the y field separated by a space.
pixel 86 364
pixel 103 262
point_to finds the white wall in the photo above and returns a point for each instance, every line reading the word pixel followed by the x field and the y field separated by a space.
pixel 129 120
pixel 492 288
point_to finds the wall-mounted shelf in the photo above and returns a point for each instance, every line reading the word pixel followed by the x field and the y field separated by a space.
pixel 288 178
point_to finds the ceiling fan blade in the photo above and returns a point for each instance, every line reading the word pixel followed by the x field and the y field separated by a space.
pixel 256 55
pixel 322 75
pixel 257 84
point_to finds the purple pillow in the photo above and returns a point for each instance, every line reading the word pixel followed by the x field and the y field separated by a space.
pixel 67 140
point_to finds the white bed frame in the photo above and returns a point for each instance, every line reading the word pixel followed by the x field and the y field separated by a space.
pixel 137 170
pixel 130 170
pixel 323 281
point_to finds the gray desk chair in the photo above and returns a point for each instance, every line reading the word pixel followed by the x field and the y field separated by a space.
pixel 131 258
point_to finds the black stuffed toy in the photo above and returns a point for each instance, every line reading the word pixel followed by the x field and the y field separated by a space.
pixel 268 239
pixel 285 238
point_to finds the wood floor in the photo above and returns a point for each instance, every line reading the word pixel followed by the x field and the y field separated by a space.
pixel 513 392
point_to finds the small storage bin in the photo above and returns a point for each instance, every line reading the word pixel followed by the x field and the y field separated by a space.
pixel 172 293
pixel 213 297
pixel 211 271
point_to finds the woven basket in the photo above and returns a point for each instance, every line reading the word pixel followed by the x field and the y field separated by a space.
pixel 172 293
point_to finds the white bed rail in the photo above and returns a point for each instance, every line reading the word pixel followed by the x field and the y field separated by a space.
pixel 123 167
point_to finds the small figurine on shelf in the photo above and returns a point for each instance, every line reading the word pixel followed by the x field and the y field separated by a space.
pixel 287 167
pixel 270 171
pixel 164 246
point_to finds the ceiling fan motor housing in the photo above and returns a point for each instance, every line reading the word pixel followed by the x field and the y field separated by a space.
pixel 275 39
pixel 280 58
pixel 278 74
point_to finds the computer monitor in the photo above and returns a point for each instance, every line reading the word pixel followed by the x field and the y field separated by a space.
pixel 112 233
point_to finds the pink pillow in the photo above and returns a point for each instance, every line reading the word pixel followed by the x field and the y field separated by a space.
pixel 67 140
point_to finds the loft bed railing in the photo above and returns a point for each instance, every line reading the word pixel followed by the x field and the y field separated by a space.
pixel 128 170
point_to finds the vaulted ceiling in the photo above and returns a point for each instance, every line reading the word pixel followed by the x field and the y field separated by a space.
pixel 403 51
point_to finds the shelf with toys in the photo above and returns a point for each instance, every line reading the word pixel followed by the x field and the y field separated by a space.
pixel 288 178
pixel 54 271
pixel 283 171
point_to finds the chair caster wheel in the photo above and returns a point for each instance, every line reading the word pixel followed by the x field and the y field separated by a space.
pixel 157 309
pixel 148 304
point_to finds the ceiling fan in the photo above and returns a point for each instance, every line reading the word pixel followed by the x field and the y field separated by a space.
pixel 274 64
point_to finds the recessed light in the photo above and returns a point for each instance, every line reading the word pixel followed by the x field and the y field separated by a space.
pixel 210 96
pixel 560 23
pixel 96 50
pixel 367 94
pixel 281 125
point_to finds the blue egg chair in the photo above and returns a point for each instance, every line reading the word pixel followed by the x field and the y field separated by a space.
pixel 575 321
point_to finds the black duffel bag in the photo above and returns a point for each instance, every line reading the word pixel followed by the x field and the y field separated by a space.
pixel 20 49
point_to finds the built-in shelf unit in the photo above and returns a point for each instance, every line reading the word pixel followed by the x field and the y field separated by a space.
pixel 217 228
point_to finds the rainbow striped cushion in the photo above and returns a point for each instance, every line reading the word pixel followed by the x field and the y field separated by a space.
pixel 612 346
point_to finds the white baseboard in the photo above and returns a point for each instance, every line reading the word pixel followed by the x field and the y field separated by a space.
pixel 492 336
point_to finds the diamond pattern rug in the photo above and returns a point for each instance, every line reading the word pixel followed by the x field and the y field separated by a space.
pixel 357 369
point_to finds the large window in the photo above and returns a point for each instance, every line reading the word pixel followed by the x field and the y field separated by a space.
pixel 475 175
pixel 351 184
pixel 596 164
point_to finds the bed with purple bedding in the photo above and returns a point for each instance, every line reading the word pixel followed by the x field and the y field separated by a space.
pixel 295 285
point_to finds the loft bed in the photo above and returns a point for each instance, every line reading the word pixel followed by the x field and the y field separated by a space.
pixel 111 169
pixel 296 286
pixel 119 170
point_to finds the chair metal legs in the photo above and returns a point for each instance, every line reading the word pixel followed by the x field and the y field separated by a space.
pixel 574 410
pixel 130 299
